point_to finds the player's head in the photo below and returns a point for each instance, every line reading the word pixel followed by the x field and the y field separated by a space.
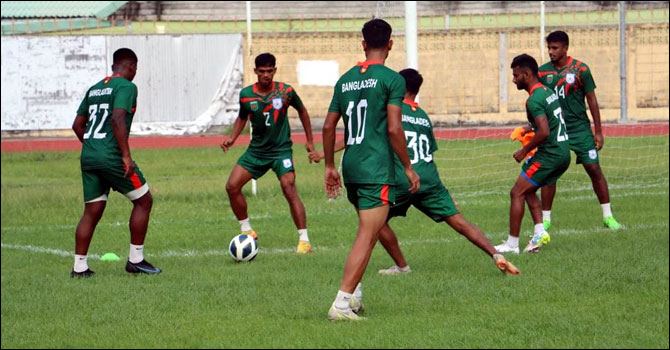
pixel 125 63
pixel 265 68
pixel 413 80
pixel 524 71
pixel 557 45
pixel 377 35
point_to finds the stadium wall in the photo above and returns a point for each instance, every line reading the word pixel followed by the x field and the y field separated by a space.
pixel 463 71
pixel 179 79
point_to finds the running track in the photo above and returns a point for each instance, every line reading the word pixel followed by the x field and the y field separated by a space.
pixel 72 144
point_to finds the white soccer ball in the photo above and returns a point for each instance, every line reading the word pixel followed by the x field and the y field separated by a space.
pixel 243 248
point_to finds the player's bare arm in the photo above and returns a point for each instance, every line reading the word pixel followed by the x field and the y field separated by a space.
pixel 316 156
pixel 331 176
pixel 541 134
pixel 121 135
pixel 228 142
pixel 598 138
pixel 307 126
pixel 397 141
pixel 79 127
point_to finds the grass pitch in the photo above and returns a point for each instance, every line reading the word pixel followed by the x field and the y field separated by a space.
pixel 589 287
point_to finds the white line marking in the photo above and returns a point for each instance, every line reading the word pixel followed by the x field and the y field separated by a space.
pixel 272 251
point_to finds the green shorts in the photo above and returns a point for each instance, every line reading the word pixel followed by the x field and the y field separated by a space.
pixel 370 196
pixel 436 203
pixel 97 183
pixel 258 166
pixel 541 171
pixel 584 147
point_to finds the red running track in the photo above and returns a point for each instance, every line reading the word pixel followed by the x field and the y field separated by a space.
pixel 28 145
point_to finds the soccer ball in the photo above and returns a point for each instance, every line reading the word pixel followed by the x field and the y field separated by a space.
pixel 243 248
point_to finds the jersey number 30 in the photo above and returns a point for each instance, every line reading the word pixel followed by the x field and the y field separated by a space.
pixel 416 144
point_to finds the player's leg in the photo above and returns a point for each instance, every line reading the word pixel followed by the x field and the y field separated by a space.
pixel 535 209
pixel 475 235
pixel 516 211
pixel 96 190
pixel 471 232
pixel 84 233
pixel 372 204
pixel 540 235
pixel 389 241
pixel 285 171
pixel 370 221
pixel 137 191
pixel 587 155
pixel 139 223
pixel 602 192
pixel 287 182
pixel 388 238
pixel 237 179
pixel 548 193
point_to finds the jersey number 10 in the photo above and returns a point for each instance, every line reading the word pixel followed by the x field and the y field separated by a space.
pixel 361 113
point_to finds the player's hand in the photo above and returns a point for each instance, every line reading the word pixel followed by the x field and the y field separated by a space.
pixel 316 156
pixel 413 177
pixel 599 140
pixel 227 143
pixel 309 146
pixel 128 166
pixel 333 183
pixel 519 155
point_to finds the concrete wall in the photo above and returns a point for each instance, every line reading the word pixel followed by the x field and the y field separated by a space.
pixel 45 78
pixel 281 10
pixel 462 69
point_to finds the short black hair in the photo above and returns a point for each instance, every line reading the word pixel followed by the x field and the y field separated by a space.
pixel 265 60
pixel 413 80
pixel 124 54
pixel 558 36
pixel 525 61
pixel 377 33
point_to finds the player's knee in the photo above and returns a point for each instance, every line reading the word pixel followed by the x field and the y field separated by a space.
pixel 146 202
pixel 594 171
pixel 515 193
pixel 232 188
pixel 290 191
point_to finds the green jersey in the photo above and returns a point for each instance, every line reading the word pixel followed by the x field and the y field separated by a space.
pixel 571 84
pixel 420 146
pixel 361 96
pixel 543 102
pixel 271 133
pixel 100 148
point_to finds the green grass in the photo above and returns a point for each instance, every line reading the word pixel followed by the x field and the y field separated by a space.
pixel 588 288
